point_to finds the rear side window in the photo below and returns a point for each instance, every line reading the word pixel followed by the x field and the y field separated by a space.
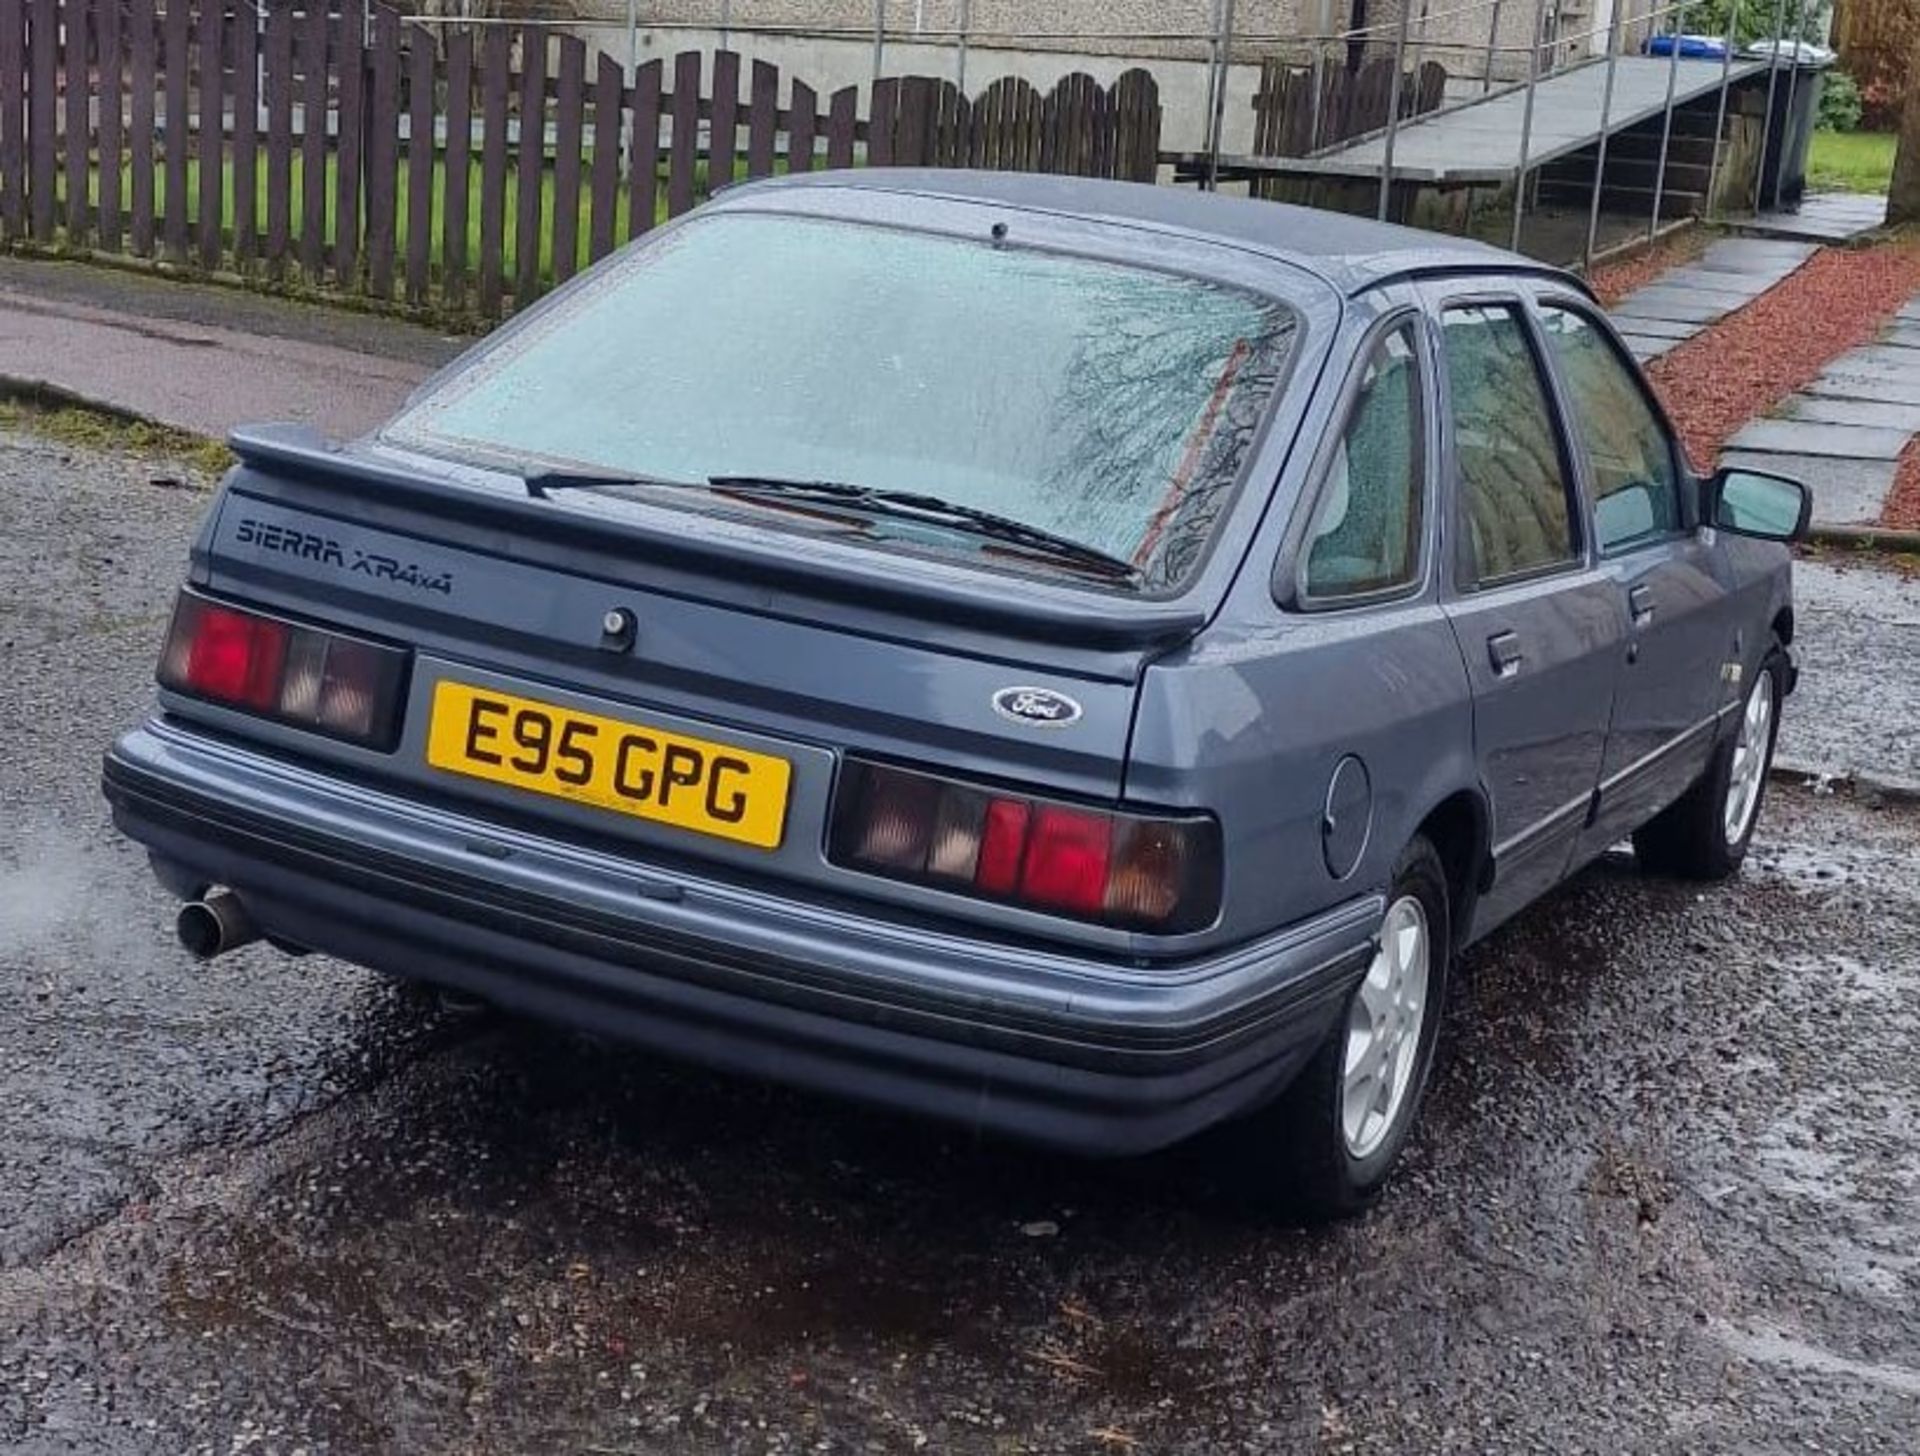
pixel 1636 488
pixel 1365 536
pixel 1513 495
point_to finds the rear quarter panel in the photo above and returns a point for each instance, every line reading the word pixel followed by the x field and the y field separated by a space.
pixel 1252 719
pixel 1758 576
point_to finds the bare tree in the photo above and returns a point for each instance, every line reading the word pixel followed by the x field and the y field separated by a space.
pixel 1903 195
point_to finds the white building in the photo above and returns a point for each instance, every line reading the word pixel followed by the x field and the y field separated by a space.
pixel 831 43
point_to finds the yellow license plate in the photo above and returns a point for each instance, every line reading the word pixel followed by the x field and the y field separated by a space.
pixel 631 768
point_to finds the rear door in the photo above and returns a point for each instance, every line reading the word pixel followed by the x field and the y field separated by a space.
pixel 1663 711
pixel 1539 621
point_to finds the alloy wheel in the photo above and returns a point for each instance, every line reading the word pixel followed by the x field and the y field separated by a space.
pixel 1748 774
pixel 1384 1023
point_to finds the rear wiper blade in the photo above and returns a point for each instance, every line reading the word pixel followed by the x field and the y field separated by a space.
pixel 540 483
pixel 910 505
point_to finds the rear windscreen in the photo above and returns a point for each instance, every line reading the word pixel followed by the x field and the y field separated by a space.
pixel 1108 404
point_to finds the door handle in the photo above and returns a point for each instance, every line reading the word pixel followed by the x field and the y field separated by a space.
pixel 1503 649
pixel 1640 602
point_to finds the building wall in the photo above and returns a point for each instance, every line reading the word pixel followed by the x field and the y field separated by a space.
pixel 830 63
pixel 829 43
pixel 1142 28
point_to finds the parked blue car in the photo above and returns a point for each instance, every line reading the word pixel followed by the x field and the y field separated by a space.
pixel 1072 658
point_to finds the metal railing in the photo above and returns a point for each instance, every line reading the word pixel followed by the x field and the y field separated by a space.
pixel 1218 43
pixel 1563 51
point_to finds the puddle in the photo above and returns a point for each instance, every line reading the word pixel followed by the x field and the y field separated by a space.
pixel 1804 867
pixel 1767 1346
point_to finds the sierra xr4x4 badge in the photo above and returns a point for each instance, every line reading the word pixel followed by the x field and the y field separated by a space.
pixel 311 546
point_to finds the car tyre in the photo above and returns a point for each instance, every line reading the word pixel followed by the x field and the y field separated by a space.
pixel 1705 834
pixel 1320 1152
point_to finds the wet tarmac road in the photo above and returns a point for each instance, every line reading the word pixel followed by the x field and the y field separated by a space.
pixel 205 358
pixel 1666 1195
pixel 1861 711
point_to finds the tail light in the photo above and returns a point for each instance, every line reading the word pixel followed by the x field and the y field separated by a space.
pixel 1129 870
pixel 346 687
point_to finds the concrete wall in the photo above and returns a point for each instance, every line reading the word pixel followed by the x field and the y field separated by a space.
pixel 829 64
pixel 1137 27
pixel 1043 40
pixel 1144 28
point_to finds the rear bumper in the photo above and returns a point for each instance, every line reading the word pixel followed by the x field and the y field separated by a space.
pixel 1036 1044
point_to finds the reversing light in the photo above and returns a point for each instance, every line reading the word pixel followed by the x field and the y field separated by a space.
pixel 1137 871
pixel 311 677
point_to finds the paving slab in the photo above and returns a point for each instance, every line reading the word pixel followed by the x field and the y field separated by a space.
pixel 1832 217
pixel 1653 328
pixel 1881 388
pixel 1877 414
pixel 1890 361
pixel 1736 267
pixel 1745 253
pixel 1729 275
pixel 1742 285
pixel 1732 287
pixel 1843 434
pixel 1644 348
pixel 1806 437
pixel 1857 639
pixel 1845 492
pixel 1675 305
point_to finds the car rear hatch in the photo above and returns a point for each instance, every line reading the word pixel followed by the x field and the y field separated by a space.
pixel 788 658
pixel 702 595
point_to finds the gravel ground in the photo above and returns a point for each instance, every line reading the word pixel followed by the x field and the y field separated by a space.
pixel 1858 642
pixel 1664 1197
pixel 1903 501
pixel 1748 362
pixel 1612 282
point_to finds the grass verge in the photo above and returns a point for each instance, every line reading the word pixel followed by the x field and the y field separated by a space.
pixel 1850 161
pixel 53 414
pixel 508 245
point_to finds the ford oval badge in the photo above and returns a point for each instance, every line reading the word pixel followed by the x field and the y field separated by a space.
pixel 1036 707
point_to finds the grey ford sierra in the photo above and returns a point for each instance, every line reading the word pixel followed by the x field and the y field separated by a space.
pixel 1072 658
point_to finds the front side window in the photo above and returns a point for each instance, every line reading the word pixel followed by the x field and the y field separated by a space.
pixel 1365 535
pixel 1513 497
pixel 1110 404
pixel 1630 458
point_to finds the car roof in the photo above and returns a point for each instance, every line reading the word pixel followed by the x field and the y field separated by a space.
pixel 1351 253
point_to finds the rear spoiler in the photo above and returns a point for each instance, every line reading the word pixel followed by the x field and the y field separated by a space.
pixel 1034 612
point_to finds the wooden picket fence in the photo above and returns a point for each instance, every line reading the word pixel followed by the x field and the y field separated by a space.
pixel 466 170
pixel 1296 112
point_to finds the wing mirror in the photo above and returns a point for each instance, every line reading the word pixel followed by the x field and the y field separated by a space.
pixel 1753 503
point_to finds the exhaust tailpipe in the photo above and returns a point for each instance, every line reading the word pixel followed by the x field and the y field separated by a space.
pixel 215 925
